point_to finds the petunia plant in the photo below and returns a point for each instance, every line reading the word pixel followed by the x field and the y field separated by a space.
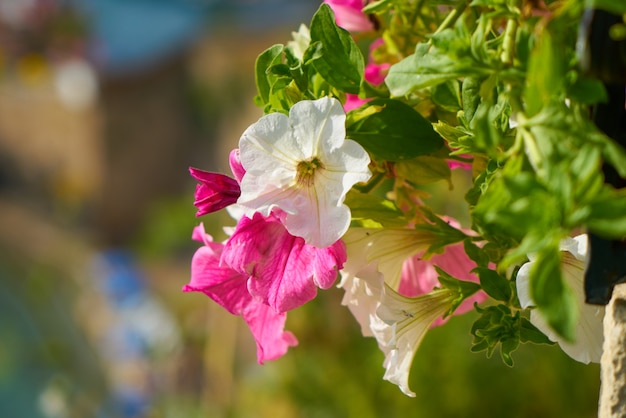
pixel 365 108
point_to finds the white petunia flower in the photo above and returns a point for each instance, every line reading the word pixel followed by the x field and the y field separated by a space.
pixel 303 165
pixel 397 322
pixel 300 41
pixel 406 322
pixel 587 346
pixel 388 248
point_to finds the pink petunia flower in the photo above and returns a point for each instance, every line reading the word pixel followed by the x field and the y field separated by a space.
pixel 349 15
pixel 229 288
pixel 420 277
pixel 284 271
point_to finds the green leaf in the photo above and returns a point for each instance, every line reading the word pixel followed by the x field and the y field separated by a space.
pixel 531 334
pixel 475 253
pixel 608 214
pixel 423 170
pixel 470 97
pixel 447 96
pixel 494 285
pixel 545 75
pixel 587 91
pixel 455 135
pixel 418 71
pixel 377 6
pixel 337 57
pixel 507 346
pixel 613 6
pixel 554 299
pixel 496 326
pixel 486 135
pixel 462 288
pixel 614 154
pixel 370 210
pixel 266 60
pixel 396 132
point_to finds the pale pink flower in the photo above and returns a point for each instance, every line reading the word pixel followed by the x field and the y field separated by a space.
pixel 229 288
pixel 420 277
pixel 349 15
pixel 284 271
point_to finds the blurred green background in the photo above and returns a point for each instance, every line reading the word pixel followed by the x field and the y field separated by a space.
pixel 103 106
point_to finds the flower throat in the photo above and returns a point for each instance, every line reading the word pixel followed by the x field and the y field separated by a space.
pixel 305 171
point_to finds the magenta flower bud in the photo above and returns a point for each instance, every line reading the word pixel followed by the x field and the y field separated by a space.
pixel 214 191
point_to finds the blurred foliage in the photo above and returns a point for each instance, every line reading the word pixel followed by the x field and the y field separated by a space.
pixel 48 366
pixel 336 373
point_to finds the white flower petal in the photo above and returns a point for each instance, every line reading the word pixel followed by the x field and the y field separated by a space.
pixel 318 126
pixel 300 42
pixel 589 337
pixel 316 217
pixel 523 286
pixel 362 298
pixel 388 247
pixel 408 320
pixel 303 165
pixel 398 323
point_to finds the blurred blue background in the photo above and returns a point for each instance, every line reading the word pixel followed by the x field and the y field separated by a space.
pixel 103 106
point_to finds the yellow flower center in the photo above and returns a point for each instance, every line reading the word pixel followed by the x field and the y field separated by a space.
pixel 305 171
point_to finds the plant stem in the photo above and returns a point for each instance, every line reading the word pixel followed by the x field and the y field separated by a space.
pixel 452 17
pixel 508 44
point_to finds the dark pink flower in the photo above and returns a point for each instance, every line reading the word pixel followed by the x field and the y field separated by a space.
pixel 461 164
pixel 349 15
pixel 229 288
pixel 284 271
pixel 353 101
pixel 214 191
pixel 375 73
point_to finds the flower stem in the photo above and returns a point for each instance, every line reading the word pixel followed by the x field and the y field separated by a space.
pixel 452 17
pixel 508 44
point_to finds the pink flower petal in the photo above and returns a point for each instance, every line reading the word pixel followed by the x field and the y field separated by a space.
pixel 224 285
pixel 235 165
pixel 419 276
pixel 228 288
pixel 375 73
pixel 214 191
pixel 267 328
pixel 284 271
pixel 349 15
pixel 353 101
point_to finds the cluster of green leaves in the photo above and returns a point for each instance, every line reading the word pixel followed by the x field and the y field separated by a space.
pixel 525 110
pixel 493 81
pixel 333 64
